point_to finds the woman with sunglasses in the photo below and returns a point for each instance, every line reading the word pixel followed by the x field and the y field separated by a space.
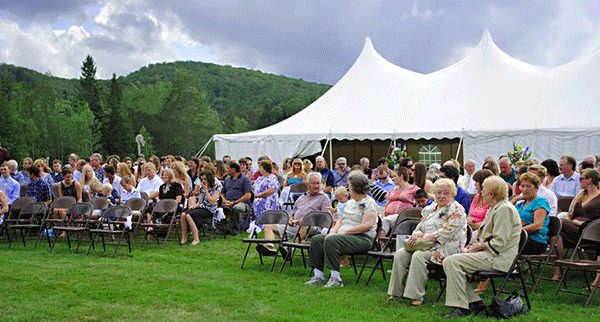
pixel 296 174
pixel 584 208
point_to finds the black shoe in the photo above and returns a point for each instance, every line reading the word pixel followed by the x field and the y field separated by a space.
pixel 458 312
pixel 477 307
pixel 264 251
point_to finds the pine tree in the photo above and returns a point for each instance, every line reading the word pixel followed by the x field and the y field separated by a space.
pixel 119 133
pixel 89 92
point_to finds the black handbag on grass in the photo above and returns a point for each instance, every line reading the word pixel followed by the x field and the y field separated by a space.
pixel 506 309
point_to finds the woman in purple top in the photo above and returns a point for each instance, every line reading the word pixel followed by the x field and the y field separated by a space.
pixel 265 189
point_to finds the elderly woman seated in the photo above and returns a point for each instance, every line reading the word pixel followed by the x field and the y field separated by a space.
pixel 441 233
pixel 353 232
pixel 495 249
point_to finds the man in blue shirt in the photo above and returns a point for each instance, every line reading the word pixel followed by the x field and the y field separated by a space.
pixel 340 175
pixel 463 198
pixel 383 182
pixel 27 162
pixel 9 185
pixel 326 175
pixel 567 183
pixel 236 194
pixel 37 188
pixel 12 167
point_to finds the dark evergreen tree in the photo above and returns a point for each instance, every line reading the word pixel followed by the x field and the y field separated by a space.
pixel 90 92
pixel 119 133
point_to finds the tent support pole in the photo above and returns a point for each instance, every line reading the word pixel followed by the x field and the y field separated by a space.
pixel 204 147
pixel 459 147
pixel 330 152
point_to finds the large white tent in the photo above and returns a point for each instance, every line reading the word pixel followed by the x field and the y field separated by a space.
pixel 488 99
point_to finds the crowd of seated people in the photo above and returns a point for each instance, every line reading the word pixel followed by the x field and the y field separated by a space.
pixel 206 188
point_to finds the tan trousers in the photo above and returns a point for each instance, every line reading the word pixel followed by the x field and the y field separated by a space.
pixel 458 292
pixel 416 266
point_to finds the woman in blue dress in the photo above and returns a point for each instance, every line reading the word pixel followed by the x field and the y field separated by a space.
pixel 265 189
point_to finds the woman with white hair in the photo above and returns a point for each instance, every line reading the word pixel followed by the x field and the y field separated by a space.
pixel 441 233
pixel 353 232
pixel 495 249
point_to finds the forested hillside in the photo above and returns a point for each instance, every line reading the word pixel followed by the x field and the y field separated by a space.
pixel 176 106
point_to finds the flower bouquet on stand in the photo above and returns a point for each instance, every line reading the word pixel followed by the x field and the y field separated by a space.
pixel 518 155
pixel 396 154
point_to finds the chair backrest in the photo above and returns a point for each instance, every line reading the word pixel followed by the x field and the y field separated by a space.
pixel 591 232
pixel 406 227
pixel 144 195
pixel 413 212
pixel 136 204
pixel 469 235
pixel 117 212
pixel 554 227
pixel 81 208
pixel 563 203
pixel 33 211
pixel 54 191
pixel 273 217
pixel 63 202
pixel 99 203
pixel 165 206
pixel 318 219
pixel 301 187
pixel 522 242
pixel 19 204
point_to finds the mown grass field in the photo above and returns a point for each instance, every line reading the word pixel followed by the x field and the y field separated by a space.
pixel 205 283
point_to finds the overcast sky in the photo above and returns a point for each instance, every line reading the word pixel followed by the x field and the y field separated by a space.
pixel 313 40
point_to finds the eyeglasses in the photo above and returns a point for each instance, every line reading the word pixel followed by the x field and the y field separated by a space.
pixel 341 164
pixel 583 178
pixel 409 166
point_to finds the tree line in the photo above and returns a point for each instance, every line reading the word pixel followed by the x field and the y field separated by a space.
pixel 176 106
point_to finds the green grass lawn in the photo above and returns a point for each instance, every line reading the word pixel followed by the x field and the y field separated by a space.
pixel 205 283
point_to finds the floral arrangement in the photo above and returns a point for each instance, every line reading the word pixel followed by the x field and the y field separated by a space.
pixel 397 153
pixel 518 154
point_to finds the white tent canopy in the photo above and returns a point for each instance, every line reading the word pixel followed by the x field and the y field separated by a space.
pixel 488 98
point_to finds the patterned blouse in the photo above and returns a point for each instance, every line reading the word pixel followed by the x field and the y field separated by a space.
pixel 449 226
pixel 204 201
pixel 263 184
pixel 398 200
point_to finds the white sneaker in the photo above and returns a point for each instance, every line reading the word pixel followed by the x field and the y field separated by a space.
pixel 332 282
pixel 314 281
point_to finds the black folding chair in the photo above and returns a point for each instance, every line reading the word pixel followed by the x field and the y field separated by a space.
pixel 63 202
pixel 30 221
pixel 436 272
pixel 269 217
pixel 164 220
pixel 76 221
pixel 13 214
pixel 554 228
pixel 403 226
pixel 590 238
pixel 313 219
pixel 112 223
pixel 513 272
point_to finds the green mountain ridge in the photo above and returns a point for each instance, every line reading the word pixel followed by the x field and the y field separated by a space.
pixel 159 99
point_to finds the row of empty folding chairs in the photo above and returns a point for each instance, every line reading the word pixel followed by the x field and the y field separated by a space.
pixel 34 220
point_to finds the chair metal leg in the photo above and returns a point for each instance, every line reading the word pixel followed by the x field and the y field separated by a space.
pixel 362 269
pixel 246 255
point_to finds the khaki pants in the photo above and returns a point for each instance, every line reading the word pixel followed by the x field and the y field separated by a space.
pixel 458 292
pixel 415 264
